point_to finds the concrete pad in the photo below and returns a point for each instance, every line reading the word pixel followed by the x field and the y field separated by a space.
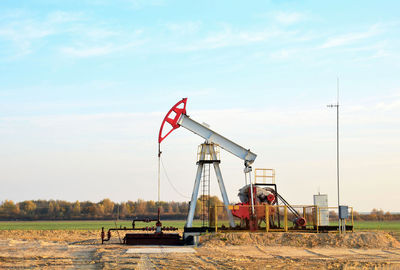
pixel 160 249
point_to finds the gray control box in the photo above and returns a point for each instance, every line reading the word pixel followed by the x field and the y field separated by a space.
pixel 343 212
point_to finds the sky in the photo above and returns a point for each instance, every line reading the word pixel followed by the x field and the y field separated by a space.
pixel 84 86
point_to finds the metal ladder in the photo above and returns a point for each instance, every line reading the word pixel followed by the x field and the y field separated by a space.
pixel 205 195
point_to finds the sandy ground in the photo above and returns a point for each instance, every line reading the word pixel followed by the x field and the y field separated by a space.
pixel 83 250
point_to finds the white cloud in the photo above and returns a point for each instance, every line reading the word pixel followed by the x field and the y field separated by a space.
pixel 23 34
pixel 63 17
pixel 91 51
pixel 24 31
pixel 350 38
pixel 282 54
pixel 289 17
pixel 138 4
pixel 87 52
pixel 229 37
pixel 381 53
pixel 184 28
pixel 388 106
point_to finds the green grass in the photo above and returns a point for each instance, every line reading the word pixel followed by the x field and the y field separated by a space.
pixel 377 225
pixel 80 225
pixel 97 224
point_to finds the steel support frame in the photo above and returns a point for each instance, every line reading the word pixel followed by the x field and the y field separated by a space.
pixel 209 149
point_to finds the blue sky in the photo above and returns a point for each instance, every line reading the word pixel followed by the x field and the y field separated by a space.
pixel 85 85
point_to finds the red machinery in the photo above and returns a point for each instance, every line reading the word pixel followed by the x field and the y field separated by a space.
pixel 264 197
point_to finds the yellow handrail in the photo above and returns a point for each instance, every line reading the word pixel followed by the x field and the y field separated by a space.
pixel 216 218
pixel 286 223
pixel 267 218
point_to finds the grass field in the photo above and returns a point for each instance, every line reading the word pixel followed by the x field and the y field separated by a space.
pixel 377 225
pixel 97 224
pixel 80 225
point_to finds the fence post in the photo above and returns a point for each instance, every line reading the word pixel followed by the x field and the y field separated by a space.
pixel 267 218
pixel 286 223
pixel 216 218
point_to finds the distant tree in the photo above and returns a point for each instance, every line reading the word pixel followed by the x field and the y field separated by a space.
pixel 131 206
pixel 76 209
pixel 28 209
pixel 52 210
pixel 125 210
pixel 140 208
pixel 99 212
pixel 373 215
pixel 388 216
pixel 9 210
pixel 151 207
pixel 108 206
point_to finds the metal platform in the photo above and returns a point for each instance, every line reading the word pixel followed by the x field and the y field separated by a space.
pixel 169 239
pixel 331 228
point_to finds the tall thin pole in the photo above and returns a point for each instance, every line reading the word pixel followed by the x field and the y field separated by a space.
pixel 337 151
pixel 158 223
pixel 159 182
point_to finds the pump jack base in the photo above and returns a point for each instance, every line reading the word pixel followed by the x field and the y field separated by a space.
pixel 142 239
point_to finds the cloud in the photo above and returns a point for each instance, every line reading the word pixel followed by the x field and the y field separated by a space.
pixel 388 106
pixel 139 4
pixel 350 38
pixel 63 17
pixel 229 38
pixel 80 51
pixel 25 31
pixel 83 38
pixel 289 17
pixel 282 54
pixel 23 35
pixel 381 53
pixel 184 28
pixel 88 52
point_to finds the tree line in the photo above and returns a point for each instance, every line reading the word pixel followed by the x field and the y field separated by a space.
pixel 107 209
pixel 374 215
pixel 86 210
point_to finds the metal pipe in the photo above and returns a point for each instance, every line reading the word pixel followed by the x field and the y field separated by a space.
pixel 251 195
pixel 213 137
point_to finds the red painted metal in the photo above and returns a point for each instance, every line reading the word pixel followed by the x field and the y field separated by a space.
pixel 244 210
pixel 271 198
pixel 173 122
pixel 301 222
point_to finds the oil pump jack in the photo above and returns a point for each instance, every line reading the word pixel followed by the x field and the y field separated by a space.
pixel 252 195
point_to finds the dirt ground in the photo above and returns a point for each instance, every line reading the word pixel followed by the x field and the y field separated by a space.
pixel 83 250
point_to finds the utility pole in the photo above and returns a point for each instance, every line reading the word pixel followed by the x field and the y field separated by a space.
pixel 337 152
